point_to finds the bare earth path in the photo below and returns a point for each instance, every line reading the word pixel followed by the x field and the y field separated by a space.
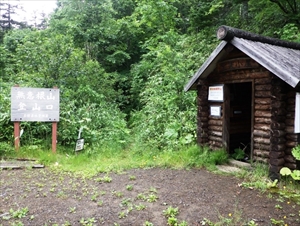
pixel 132 198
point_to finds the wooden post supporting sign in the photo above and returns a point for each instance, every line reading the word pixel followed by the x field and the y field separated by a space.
pixel 17 135
pixel 17 132
pixel 54 136
pixel 54 133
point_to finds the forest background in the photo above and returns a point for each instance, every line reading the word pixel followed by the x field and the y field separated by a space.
pixel 121 66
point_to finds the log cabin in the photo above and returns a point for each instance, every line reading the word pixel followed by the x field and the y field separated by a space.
pixel 248 97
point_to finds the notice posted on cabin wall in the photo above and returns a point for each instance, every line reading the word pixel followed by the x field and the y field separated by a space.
pixel 215 111
pixel 297 113
pixel 34 104
pixel 215 93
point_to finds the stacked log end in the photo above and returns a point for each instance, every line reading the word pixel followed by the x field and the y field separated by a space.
pixel 262 119
pixel 291 137
pixel 278 139
pixel 215 132
pixel 202 113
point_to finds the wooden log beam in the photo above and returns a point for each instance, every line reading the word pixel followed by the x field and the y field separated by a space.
pixel 290 108
pixel 279 104
pixel 278 118
pixel 291 144
pixel 262 81
pixel 215 122
pixel 290 122
pixel 203 124
pixel 203 119
pixel 262 107
pixel 278 147
pixel 261 140
pixel 277 126
pixel 288 151
pixel 276 154
pixel 278 97
pixel 215 138
pixel 262 120
pixel 291 166
pixel 289 158
pixel 290 115
pixel 278 140
pixel 264 127
pixel 227 33
pixel 292 137
pixel 215 133
pixel 260 159
pixel 261 153
pixel 265 147
pixel 203 108
pixel 264 87
pixel 203 114
pixel 263 114
pixel 262 101
pixel 263 94
pixel 277 161
pixel 278 133
pixel 215 128
pixel 261 133
pixel 274 169
pixel 215 144
pixel 278 111
pixel 289 129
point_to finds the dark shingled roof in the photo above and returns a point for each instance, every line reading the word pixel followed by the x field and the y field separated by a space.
pixel 282 58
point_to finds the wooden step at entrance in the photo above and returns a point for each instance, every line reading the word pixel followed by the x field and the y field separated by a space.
pixel 234 166
pixel 239 164
pixel 229 169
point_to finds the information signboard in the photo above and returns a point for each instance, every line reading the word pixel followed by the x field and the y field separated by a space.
pixel 34 104
pixel 215 93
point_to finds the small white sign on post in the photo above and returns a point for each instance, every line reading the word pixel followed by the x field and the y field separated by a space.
pixel 79 145
pixel 215 93
pixel 80 141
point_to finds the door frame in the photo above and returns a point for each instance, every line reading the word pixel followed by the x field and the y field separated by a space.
pixel 226 116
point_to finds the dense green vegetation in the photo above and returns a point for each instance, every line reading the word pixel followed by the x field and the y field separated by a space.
pixel 121 66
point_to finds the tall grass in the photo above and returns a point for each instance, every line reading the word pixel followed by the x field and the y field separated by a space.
pixel 91 161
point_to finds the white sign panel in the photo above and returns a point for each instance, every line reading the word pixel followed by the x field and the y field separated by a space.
pixel 215 111
pixel 79 145
pixel 34 104
pixel 297 113
pixel 215 93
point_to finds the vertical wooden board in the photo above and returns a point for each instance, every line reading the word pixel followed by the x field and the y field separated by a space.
pixel 252 120
pixel 226 118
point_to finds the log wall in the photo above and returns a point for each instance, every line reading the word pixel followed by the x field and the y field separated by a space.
pixel 262 117
pixel 273 113
pixel 202 113
pixel 278 126
pixel 290 136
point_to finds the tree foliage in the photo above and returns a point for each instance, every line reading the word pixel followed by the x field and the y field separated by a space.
pixel 121 64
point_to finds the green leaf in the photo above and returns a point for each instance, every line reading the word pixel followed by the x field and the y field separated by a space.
pixel 285 171
pixel 296 174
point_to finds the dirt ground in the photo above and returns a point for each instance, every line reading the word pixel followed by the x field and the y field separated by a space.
pixel 39 197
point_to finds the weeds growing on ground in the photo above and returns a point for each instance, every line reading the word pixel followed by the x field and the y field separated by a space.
pixel 112 159
pixel 118 160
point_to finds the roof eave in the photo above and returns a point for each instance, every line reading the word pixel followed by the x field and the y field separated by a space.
pixel 268 64
pixel 208 66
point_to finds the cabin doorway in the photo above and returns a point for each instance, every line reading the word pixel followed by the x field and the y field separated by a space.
pixel 240 120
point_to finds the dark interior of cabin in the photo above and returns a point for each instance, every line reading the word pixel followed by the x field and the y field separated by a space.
pixel 240 120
